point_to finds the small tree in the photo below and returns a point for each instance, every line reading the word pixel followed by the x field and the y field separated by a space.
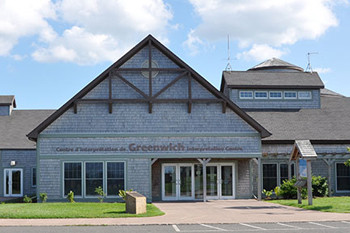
pixel 347 163
pixel 43 197
pixel 100 192
pixel 70 196
pixel 27 199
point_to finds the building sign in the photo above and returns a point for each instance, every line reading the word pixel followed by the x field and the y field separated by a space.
pixel 139 148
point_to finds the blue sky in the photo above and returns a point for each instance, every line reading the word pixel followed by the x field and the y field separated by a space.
pixel 49 50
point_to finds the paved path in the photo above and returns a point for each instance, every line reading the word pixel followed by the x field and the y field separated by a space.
pixel 212 212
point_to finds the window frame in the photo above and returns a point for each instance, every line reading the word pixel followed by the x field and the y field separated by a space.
pixel 290 98
pixel 277 171
pixel 103 178
pixel 275 98
pixel 106 176
pixel 305 98
pixel 82 179
pixel 261 98
pixel 32 176
pixel 246 98
pixel 278 164
pixel 336 178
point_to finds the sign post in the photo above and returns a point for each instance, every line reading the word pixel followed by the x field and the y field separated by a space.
pixel 303 153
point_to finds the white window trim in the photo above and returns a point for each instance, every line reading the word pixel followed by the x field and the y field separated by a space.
pixel 259 98
pixel 336 179
pixel 103 178
pixel 305 98
pixel 278 164
pixel 82 177
pixel 290 98
pixel 246 97
pixel 275 97
pixel 106 191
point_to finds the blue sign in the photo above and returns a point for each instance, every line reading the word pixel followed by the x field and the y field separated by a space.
pixel 302 168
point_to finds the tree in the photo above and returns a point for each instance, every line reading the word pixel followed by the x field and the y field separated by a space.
pixel 347 163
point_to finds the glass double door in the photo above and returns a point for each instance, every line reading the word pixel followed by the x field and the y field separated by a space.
pixel 13 183
pixel 220 182
pixel 178 182
pixel 185 181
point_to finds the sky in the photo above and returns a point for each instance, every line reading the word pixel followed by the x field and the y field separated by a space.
pixel 50 50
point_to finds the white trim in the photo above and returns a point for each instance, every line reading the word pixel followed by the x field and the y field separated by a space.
pixel 103 174
pixel 258 98
pixel 305 98
pixel 106 177
pixel 246 97
pixel 273 98
pixel 290 98
pixel 82 182
pixel 10 181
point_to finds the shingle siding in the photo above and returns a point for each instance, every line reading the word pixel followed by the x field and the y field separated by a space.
pixel 4 110
pixel 26 160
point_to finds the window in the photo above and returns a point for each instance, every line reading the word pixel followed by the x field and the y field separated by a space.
pixel 93 178
pixel 246 95
pixel 304 95
pixel 33 177
pixel 72 178
pixel 290 94
pixel 145 73
pixel 115 178
pixel 269 176
pixel 343 177
pixel 274 174
pixel 275 95
pixel 260 95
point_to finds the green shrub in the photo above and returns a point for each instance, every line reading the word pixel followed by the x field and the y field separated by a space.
pixel 277 191
pixel 122 193
pixel 319 186
pixel 70 196
pixel 43 197
pixel 27 199
pixel 267 193
pixel 100 192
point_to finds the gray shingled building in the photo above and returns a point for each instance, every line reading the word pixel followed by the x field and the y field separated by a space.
pixel 152 124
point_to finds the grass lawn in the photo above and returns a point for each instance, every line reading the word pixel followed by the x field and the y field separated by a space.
pixel 325 204
pixel 71 210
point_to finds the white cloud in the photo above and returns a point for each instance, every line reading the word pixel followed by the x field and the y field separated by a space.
pixel 260 53
pixel 269 22
pixel 322 70
pixel 20 18
pixel 87 31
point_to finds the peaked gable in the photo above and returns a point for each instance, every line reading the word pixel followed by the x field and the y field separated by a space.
pixel 149 89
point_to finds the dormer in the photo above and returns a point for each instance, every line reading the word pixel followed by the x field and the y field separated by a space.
pixel 7 104
pixel 273 84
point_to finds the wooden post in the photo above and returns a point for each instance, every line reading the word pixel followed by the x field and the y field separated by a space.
pixel 298 178
pixel 309 181
pixel 329 163
pixel 259 179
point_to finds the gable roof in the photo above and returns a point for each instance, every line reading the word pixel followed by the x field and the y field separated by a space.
pixel 33 135
pixel 15 127
pixel 275 63
pixel 263 79
pixel 6 100
pixel 330 123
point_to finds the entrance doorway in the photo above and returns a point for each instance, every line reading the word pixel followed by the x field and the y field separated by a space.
pixel 177 182
pixel 185 181
pixel 13 182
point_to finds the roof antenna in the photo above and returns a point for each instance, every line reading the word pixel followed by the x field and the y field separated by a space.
pixel 309 68
pixel 228 67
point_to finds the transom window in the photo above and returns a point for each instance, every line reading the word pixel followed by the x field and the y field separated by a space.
pixel 343 177
pixel 246 94
pixel 260 94
pixel 290 94
pixel 275 95
pixel 304 94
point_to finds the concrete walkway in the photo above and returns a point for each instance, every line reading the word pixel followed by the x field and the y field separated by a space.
pixel 228 211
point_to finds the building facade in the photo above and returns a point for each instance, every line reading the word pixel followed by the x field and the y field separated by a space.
pixel 152 124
